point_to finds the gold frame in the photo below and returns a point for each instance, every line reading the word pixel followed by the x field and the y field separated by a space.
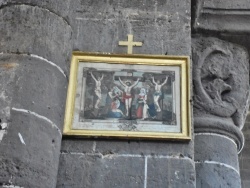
pixel 158 60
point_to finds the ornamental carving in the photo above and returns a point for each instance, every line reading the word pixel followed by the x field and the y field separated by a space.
pixel 220 79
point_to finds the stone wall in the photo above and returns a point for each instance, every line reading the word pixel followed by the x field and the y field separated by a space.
pixel 244 157
pixel 164 28
pixel 36 42
pixel 226 20
pixel 35 50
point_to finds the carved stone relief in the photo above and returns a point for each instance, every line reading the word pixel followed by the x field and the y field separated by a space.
pixel 221 80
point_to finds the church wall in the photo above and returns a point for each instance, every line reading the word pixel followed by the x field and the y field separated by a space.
pixel 229 21
pixel 36 42
pixel 164 28
pixel 244 157
pixel 35 50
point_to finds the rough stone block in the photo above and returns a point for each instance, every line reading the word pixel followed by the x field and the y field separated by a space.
pixel 245 153
pixel 244 158
pixel 29 152
pixel 222 16
pixel 244 174
pixel 163 27
pixel 245 183
pixel 105 146
pixel 217 148
pixel 145 147
pixel 245 164
pixel 36 86
pixel 96 35
pixel 77 145
pixel 93 171
pixel 170 172
pixel 215 175
pixel 101 6
pixel 248 120
pixel 33 30
pixel 35 48
pixel 63 9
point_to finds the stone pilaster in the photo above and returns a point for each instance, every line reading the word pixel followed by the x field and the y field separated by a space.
pixel 35 48
pixel 221 91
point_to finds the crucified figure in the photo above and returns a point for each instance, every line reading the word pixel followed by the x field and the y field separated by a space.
pixel 158 92
pixel 97 89
pixel 128 97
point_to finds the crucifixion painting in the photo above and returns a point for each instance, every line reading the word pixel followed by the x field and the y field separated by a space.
pixel 132 96
pixel 128 94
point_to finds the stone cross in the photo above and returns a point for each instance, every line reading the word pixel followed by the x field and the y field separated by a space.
pixel 130 44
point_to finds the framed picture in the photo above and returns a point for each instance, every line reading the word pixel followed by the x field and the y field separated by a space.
pixel 128 96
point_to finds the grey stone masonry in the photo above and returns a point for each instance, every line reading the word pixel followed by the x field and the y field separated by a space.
pixel 164 28
pixel 91 169
pixel 244 156
pixel 221 92
pixel 35 50
pixel 216 161
pixel 37 38
pixel 223 16
pixel 229 21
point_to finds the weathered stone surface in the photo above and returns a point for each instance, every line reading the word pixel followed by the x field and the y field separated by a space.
pixel 35 46
pixel 93 171
pixel 78 145
pixel 244 156
pixel 163 27
pixel 242 40
pixel 220 78
pixel 41 28
pixel 37 90
pixel 34 30
pixel 36 86
pixel 65 10
pixel 221 93
pixel 7 77
pixel 29 152
pixel 146 148
pixel 245 184
pixel 127 147
pixel 217 148
pixel 223 16
pixel 215 175
pixel 170 172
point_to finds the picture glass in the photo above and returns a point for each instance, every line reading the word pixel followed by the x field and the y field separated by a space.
pixel 125 97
